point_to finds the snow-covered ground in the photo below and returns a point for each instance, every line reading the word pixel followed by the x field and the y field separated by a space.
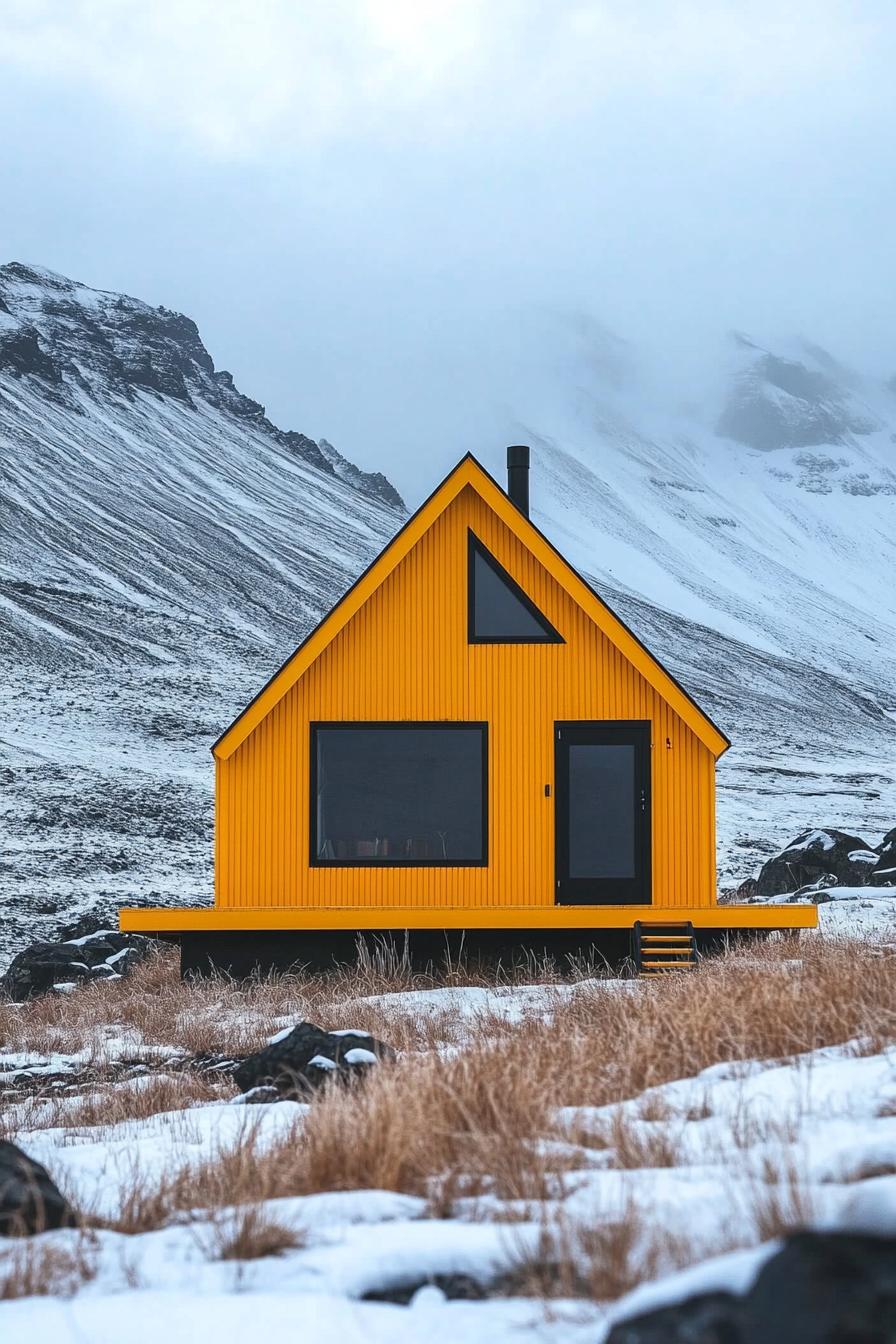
pixel 814 1135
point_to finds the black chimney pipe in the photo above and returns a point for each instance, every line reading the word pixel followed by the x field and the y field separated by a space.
pixel 518 476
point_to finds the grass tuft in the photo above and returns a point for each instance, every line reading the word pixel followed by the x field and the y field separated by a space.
pixel 47 1266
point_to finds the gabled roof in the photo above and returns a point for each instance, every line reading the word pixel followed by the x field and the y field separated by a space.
pixel 470 472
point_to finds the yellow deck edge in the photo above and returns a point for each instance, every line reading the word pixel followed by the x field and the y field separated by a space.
pixel 160 920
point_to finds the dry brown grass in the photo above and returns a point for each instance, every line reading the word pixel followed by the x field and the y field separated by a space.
pixel 47 1267
pixel 780 1200
pixel 749 1003
pixel 220 1015
pixel 474 1121
pixel 598 1261
pixel 113 1103
pixel 253 1234
pixel 471 1122
pixel 638 1144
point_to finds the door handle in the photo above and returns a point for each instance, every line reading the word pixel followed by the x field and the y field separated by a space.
pixel 643 800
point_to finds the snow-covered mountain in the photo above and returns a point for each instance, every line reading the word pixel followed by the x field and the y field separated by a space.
pixel 750 538
pixel 163 546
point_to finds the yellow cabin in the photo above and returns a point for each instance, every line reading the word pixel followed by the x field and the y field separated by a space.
pixel 469 741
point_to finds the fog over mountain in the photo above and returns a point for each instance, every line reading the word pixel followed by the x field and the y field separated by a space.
pixel 392 220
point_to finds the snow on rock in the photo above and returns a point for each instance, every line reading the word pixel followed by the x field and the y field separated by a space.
pixel 813 856
pixel 299 1061
pixel 731 1274
pixel 358 1056
pixel 40 968
pixel 322 1062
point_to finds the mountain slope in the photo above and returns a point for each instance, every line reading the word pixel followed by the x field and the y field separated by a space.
pixel 790 548
pixel 760 567
pixel 162 546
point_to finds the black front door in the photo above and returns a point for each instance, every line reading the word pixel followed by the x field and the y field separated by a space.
pixel 602 787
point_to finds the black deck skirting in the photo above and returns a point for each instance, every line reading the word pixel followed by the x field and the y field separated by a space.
pixel 258 952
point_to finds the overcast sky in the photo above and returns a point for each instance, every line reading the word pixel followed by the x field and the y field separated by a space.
pixel 388 216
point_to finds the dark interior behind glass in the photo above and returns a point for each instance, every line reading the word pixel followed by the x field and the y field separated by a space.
pixel 399 794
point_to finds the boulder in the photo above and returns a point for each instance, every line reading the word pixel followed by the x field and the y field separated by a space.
pixel 42 966
pixel 30 1201
pixel 815 854
pixel 888 845
pixel 707 1318
pixel 100 917
pixel 825 1288
pixel 300 1061
pixel 883 874
pixel 820 1288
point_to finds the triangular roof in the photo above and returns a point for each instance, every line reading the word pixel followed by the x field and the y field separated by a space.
pixel 470 472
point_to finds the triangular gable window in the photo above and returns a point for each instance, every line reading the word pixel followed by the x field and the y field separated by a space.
pixel 499 612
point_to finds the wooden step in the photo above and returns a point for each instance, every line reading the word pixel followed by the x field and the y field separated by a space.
pixel 649 961
pixel 664 947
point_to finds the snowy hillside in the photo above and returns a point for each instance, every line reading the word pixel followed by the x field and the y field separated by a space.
pixel 163 546
pixel 750 538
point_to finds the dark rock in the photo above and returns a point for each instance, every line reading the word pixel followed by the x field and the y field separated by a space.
pixel 825 1288
pixel 457 1287
pixel 22 354
pixel 709 1318
pixel 820 1288
pixel 102 919
pixel 814 854
pixel 307 1058
pixel 40 967
pixel 258 1096
pixel 30 1201
pixel 818 892
pixel 883 874
pixel 888 845
pixel 211 1062
pixel 782 403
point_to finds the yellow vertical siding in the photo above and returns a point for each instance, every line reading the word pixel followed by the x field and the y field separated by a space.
pixel 404 655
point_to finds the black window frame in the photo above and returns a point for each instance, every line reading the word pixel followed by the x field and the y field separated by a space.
pixel 476 547
pixel 399 725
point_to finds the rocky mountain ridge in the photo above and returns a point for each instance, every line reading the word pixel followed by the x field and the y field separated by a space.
pixel 73 338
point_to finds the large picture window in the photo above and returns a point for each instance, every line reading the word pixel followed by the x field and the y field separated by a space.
pixel 398 793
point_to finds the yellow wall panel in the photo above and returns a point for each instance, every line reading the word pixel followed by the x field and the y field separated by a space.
pixel 405 655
